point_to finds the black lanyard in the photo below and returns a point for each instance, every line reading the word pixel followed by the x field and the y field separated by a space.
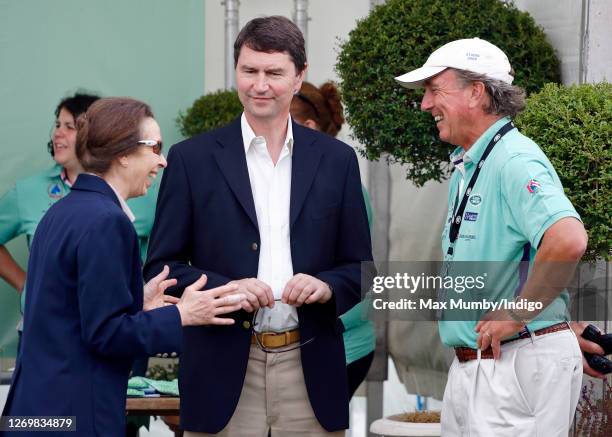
pixel 458 214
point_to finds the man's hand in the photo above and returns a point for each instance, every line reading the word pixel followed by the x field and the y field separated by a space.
pixel 258 294
pixel 494 327
pixel 307 289
pixel 201 307
pixel 587 346
pixel 153 296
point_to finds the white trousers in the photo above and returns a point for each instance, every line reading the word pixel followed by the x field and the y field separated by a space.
pixel 531 391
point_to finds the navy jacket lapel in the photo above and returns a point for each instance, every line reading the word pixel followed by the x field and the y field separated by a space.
pixel 305 161
pixel 232 162
pixel 88 182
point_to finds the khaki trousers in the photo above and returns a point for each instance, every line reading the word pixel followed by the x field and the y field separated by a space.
pixel 273 398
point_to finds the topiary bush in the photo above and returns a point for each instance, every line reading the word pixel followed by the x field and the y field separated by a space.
pixel 209 112
pixel 573 126
pixel 399 36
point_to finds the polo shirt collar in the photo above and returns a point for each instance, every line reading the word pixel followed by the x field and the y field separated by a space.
pixel 456 157
pixel 475 152
pixel 58 171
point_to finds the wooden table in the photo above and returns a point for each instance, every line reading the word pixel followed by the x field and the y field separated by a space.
pixel 161 406
pixel 165 406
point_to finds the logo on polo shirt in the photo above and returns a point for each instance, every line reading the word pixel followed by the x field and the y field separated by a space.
pixel 470 216
pixel 533 186
pixel 55 191
pixel 475 199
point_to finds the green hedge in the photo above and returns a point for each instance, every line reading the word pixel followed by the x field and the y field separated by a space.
pixel 573 125
pixel 209 112
pixel 399 36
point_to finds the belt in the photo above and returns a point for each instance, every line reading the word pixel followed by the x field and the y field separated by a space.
pixel 467 353
pixel 276 339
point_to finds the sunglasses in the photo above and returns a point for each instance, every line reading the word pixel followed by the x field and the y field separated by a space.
pixel 155 145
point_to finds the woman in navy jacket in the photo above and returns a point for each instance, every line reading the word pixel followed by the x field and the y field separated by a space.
pixel 87 313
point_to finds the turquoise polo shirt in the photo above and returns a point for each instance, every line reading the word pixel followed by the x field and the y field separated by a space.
pixel 517 197
pixel 23 206
pixel 359 335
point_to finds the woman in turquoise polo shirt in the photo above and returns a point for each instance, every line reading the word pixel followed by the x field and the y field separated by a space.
pixel 321 109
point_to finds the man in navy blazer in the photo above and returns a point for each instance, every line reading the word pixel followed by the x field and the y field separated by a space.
pixel 276 208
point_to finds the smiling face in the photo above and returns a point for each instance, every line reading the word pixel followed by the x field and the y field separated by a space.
pixel 144 162
pixel 64 139
pixel 448 101
pixel 266 83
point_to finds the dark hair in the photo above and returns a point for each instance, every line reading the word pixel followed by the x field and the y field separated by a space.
pixel 322 105
pixel 273 34
pixel 110 128
pixel 76 105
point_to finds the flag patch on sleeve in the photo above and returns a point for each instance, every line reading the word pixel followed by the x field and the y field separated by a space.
pixel 533 186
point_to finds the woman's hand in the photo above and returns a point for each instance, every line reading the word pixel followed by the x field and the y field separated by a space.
pixel 202 307
pixel 153 296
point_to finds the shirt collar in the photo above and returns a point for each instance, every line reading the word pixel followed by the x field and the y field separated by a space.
pixel 57 171
pixel 124 206
pixel 475 152
pixel 249 137
pixel 456 157
pixel 64 177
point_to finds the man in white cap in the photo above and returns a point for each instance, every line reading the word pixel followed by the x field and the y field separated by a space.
pixel 516 372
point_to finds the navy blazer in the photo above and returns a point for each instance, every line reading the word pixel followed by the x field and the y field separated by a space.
pixel 83 322
pixel 206 223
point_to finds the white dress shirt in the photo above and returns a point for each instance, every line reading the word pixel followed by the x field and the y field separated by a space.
pixel 271 188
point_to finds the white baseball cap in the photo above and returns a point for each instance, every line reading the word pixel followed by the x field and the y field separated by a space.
pixel 472 54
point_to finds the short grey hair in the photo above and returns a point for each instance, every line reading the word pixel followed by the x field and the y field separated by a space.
pixel 504 98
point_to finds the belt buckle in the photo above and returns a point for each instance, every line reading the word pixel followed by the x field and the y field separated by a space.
pixel 273 335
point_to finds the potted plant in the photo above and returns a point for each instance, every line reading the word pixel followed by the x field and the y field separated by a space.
pixel 209 112
pixel 420 423
pixel 595 411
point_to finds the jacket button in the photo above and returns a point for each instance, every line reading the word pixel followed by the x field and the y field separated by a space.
pixel 246 324
pixel 254 247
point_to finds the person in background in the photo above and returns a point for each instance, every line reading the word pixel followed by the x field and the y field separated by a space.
pixel 321 109
pixel 88 313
